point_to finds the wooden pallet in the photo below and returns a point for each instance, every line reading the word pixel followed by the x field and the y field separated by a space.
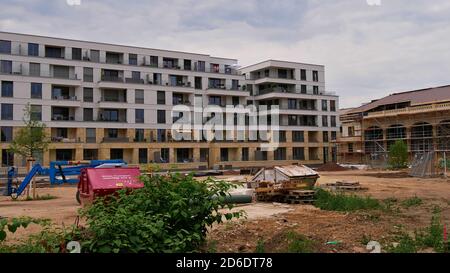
pixel 299 202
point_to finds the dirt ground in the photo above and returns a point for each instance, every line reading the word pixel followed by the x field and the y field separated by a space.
pixel 267 221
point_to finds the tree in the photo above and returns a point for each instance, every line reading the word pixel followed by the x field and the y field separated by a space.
pixel 30 139
pixel 398 155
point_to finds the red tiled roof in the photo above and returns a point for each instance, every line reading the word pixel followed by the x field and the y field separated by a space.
pixel 416 97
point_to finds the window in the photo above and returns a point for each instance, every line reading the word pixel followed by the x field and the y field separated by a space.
pixel 135 75
pixel 333 105
pixel 88 74
pixel 33 49
pixel 161 117
pixel 315 76
pixel 161 97
pixel 139 96
pixel 88 114
pixel 6 67
pixel 36 90
pixel 88 94
pixel 157 78
pixel 62 72
pixel 143 156
pixel 133 59
pixel 351 131
pixel 280 154
pixel 298 136
pixel 298 153
pixel 350 147
pixel 324 105
pixel 139 135
pixel 303 74
pixel 6 134
pixel 325 137
pixel 315 90
pixel 5 47
pixel 333 135
pixel 154 61
pixel 112 133
pixel 7 111
pixel 64 154
pixel 91 135
pixel 95 56
pixel 187 65
pixel 54 52
pixel 235 101
pixel 333 121
pixel 282 136
pixel 234 85
pixel 36 112
pixel 223 154
pixel 76 53
pixel 90 154
pixel 215 100
pixel 161 135
pixel 164 156
pixel 245 154
pixel 282 74
pixel 325 121
pixel 7 89
pixel 35 69
pixel 139 116
pixel 7 158
pixel 303 89
pixel 214 68
pixel 116 154
pixel 292 104
pixel 200 66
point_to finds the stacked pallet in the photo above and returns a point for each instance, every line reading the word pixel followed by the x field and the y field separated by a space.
pixel 290 197
pixel 345 186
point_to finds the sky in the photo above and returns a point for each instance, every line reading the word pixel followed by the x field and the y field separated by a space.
pixel 369 51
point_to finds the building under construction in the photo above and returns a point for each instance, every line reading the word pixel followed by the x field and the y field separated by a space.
pixel 421 118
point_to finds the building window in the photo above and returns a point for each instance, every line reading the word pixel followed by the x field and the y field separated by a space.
pixel 76 53
pixel 315 90
pixel 7 89
pixel 91 135
pixel 88 95
pixel 139 116
pixel 164 155
pixel 161 117
pixel 36 90
pixel 325 121
pixel 139 96
pixel 36 112
pixel 95 56
pixel 161 135
pixel 154 61
pixel 298 153
pixel 324 105
pixel 245 154
pixel 333 105
pixel 333 121
pixel 6 67
pixel 303 89
pixel 303 74
pixel 143 156
pixel 88 74
pixel 280 154
pixel 198 83
pixel 315 76
pixel 135 75
pixel 35 69
pixel 292 104
pixel 298 136
pixel 116 154
pixel 33 49
pixel 139 135
pixel 200 66
pixel 88 114
pixel 7 158
pixel 161 97
pixel 325 137
pixel 64 154
pixel 7 111
pixel 282 136
pixel 187 65
pixel 215 100
pixel 333 135
pixel 351 131
pixel 6 134
pixel 223 154
pixel 90 154
pixel 350 147
pixel 5 47
pixel 133 59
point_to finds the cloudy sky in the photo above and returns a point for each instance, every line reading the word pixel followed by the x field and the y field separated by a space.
pixel 369 51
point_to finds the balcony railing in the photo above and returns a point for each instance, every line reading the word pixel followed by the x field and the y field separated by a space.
pixel 116 139
pixel 112 79
pixel 63 118
pixel 136 81
pixel 66 98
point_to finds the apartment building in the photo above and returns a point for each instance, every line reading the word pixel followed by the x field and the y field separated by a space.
pixel 420 118
pixel 104 101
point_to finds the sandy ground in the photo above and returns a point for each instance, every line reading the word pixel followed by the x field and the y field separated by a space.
pixel 266 220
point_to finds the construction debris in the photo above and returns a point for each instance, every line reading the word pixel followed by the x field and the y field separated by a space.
pixel 332 167
pixel 344 186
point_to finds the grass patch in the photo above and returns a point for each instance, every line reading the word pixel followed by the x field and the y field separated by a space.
pixel 260 247
pixel 298 243
pixel 326 200
pixel 412 202
pixel 40 197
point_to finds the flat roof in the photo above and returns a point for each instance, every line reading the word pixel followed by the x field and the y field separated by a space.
pixel 272 60
pixel 110 44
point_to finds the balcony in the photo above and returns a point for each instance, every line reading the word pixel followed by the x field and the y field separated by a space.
pixel 112 79
pixel 134 81
pixel 116 140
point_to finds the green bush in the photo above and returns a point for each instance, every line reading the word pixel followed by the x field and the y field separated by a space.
pixel 170 214
pixel 326 200
pixel 412 202
pixel 398 155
